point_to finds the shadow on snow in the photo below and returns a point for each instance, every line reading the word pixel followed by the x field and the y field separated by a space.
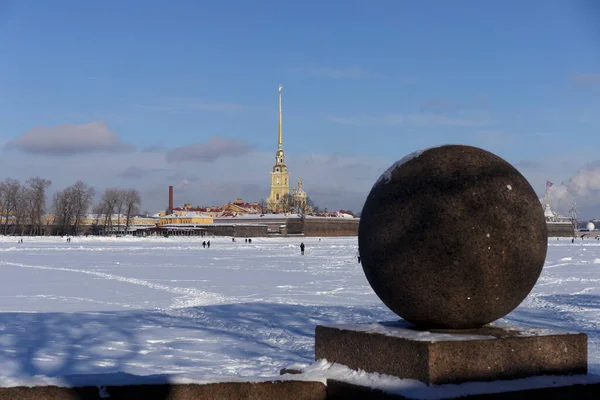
pixel 217 342
pixel 102 348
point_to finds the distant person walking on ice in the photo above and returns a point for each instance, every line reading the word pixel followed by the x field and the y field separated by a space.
pixel 358 255
pixel 302 248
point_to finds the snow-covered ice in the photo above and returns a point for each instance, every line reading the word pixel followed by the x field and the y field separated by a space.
pixel 119 310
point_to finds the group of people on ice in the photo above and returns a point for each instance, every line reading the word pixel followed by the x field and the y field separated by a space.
pixel 583 237
pixel 246 240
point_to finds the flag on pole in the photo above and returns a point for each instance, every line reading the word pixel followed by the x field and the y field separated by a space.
pixel 549 184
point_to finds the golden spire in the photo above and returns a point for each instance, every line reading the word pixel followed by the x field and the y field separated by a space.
pixel 280 141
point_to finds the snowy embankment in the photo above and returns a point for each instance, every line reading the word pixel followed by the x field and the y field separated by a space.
pixel 120 310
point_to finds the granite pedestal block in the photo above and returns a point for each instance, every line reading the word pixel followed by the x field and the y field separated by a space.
pixel 449 356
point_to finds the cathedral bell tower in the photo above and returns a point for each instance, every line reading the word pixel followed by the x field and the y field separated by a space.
pixel 279 175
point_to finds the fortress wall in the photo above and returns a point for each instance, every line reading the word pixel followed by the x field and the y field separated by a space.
pixel 330 227
pixel 237 230
pixel 272 223
pixel 295 226
pixel 251 230
pixel 560 230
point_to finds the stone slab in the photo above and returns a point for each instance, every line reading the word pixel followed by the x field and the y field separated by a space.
pixel 274 390
pixel 448 356
pixel 346 390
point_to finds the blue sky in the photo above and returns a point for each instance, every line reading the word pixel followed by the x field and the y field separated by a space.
pixel 122 83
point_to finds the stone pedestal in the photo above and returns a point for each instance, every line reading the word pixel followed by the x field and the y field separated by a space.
pixel 450 356
pixel 581 391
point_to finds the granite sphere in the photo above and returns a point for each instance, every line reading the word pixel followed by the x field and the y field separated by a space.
pixel 452 237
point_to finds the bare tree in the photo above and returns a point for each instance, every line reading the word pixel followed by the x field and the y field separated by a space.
pixel 36 194
pixel 71 206
pixel 118 201
pixel 21 210
pixel 262 204
pixel 107 206
pixel 97 211
pixel 83 195
pixel 62 204
pixel 9 189
pixel 309 206
pixel 287 203
pixel 119 205
pixel 133 200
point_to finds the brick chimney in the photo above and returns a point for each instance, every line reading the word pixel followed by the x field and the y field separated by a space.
pixel 170 199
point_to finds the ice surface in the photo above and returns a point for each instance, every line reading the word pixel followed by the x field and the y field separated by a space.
pixel 128 310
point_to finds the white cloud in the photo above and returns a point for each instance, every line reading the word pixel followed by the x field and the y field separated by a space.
pixel 69 139
pixel 155 148
pixel 215 148
pixel 135 172
pixel 587 80
pixel 581 187
pixel 332 181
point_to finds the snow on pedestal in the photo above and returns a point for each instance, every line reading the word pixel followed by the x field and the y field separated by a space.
pixel 450 356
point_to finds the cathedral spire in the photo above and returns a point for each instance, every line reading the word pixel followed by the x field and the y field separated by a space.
pixel 280 139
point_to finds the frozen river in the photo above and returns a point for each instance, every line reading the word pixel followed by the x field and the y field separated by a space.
pixel 104 308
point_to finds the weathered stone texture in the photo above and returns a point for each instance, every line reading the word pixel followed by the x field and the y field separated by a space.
pixel 223 390
pixel 508 355
pixel 337 390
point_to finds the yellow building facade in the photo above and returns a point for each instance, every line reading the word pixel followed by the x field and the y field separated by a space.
pixel 99 219
pixel 186 217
